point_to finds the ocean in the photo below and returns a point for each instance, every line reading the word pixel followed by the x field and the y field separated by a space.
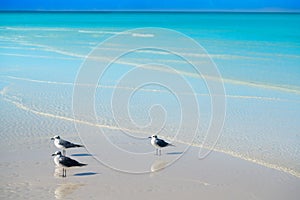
pixel 257 56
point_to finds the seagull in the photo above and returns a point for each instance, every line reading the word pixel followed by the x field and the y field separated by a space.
pixel 63 144
pixel 158 144
pixel 64 161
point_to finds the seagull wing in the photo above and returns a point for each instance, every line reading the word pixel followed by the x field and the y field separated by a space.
pixel 68 162
pixel 68 144
pixel 65 143
pixel 161 143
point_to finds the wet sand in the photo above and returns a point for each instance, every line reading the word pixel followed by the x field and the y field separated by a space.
pixel 28 170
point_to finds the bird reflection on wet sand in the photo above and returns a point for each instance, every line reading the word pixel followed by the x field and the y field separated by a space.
pixel 65 189
pixel 158 165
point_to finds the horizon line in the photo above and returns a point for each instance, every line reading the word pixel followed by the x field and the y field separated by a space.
pixel 161 11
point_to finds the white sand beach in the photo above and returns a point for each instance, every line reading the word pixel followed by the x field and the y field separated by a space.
pixel 28 170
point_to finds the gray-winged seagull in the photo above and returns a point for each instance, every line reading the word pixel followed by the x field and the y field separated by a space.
pixel 64 161
pixel 158 144
pixel 64 144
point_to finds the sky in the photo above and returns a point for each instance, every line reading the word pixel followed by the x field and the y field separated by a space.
pixel 151 5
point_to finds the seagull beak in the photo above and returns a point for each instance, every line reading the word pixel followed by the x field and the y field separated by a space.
pixel 53 154
pixel 52 138
pixel 149 137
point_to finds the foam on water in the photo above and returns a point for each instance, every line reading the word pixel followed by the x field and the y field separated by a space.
pixel 154 90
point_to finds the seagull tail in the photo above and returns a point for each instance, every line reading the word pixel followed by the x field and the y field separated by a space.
pixel 81 164
pixel 78 145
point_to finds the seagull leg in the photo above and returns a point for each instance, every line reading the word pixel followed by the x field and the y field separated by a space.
pixel 160 152
pixel 156 152
pixel 64 152
pixel 64 173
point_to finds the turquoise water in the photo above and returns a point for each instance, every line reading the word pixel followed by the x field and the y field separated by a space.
pixel 258 56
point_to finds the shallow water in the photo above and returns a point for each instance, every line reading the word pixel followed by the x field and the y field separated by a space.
pixel 258 57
